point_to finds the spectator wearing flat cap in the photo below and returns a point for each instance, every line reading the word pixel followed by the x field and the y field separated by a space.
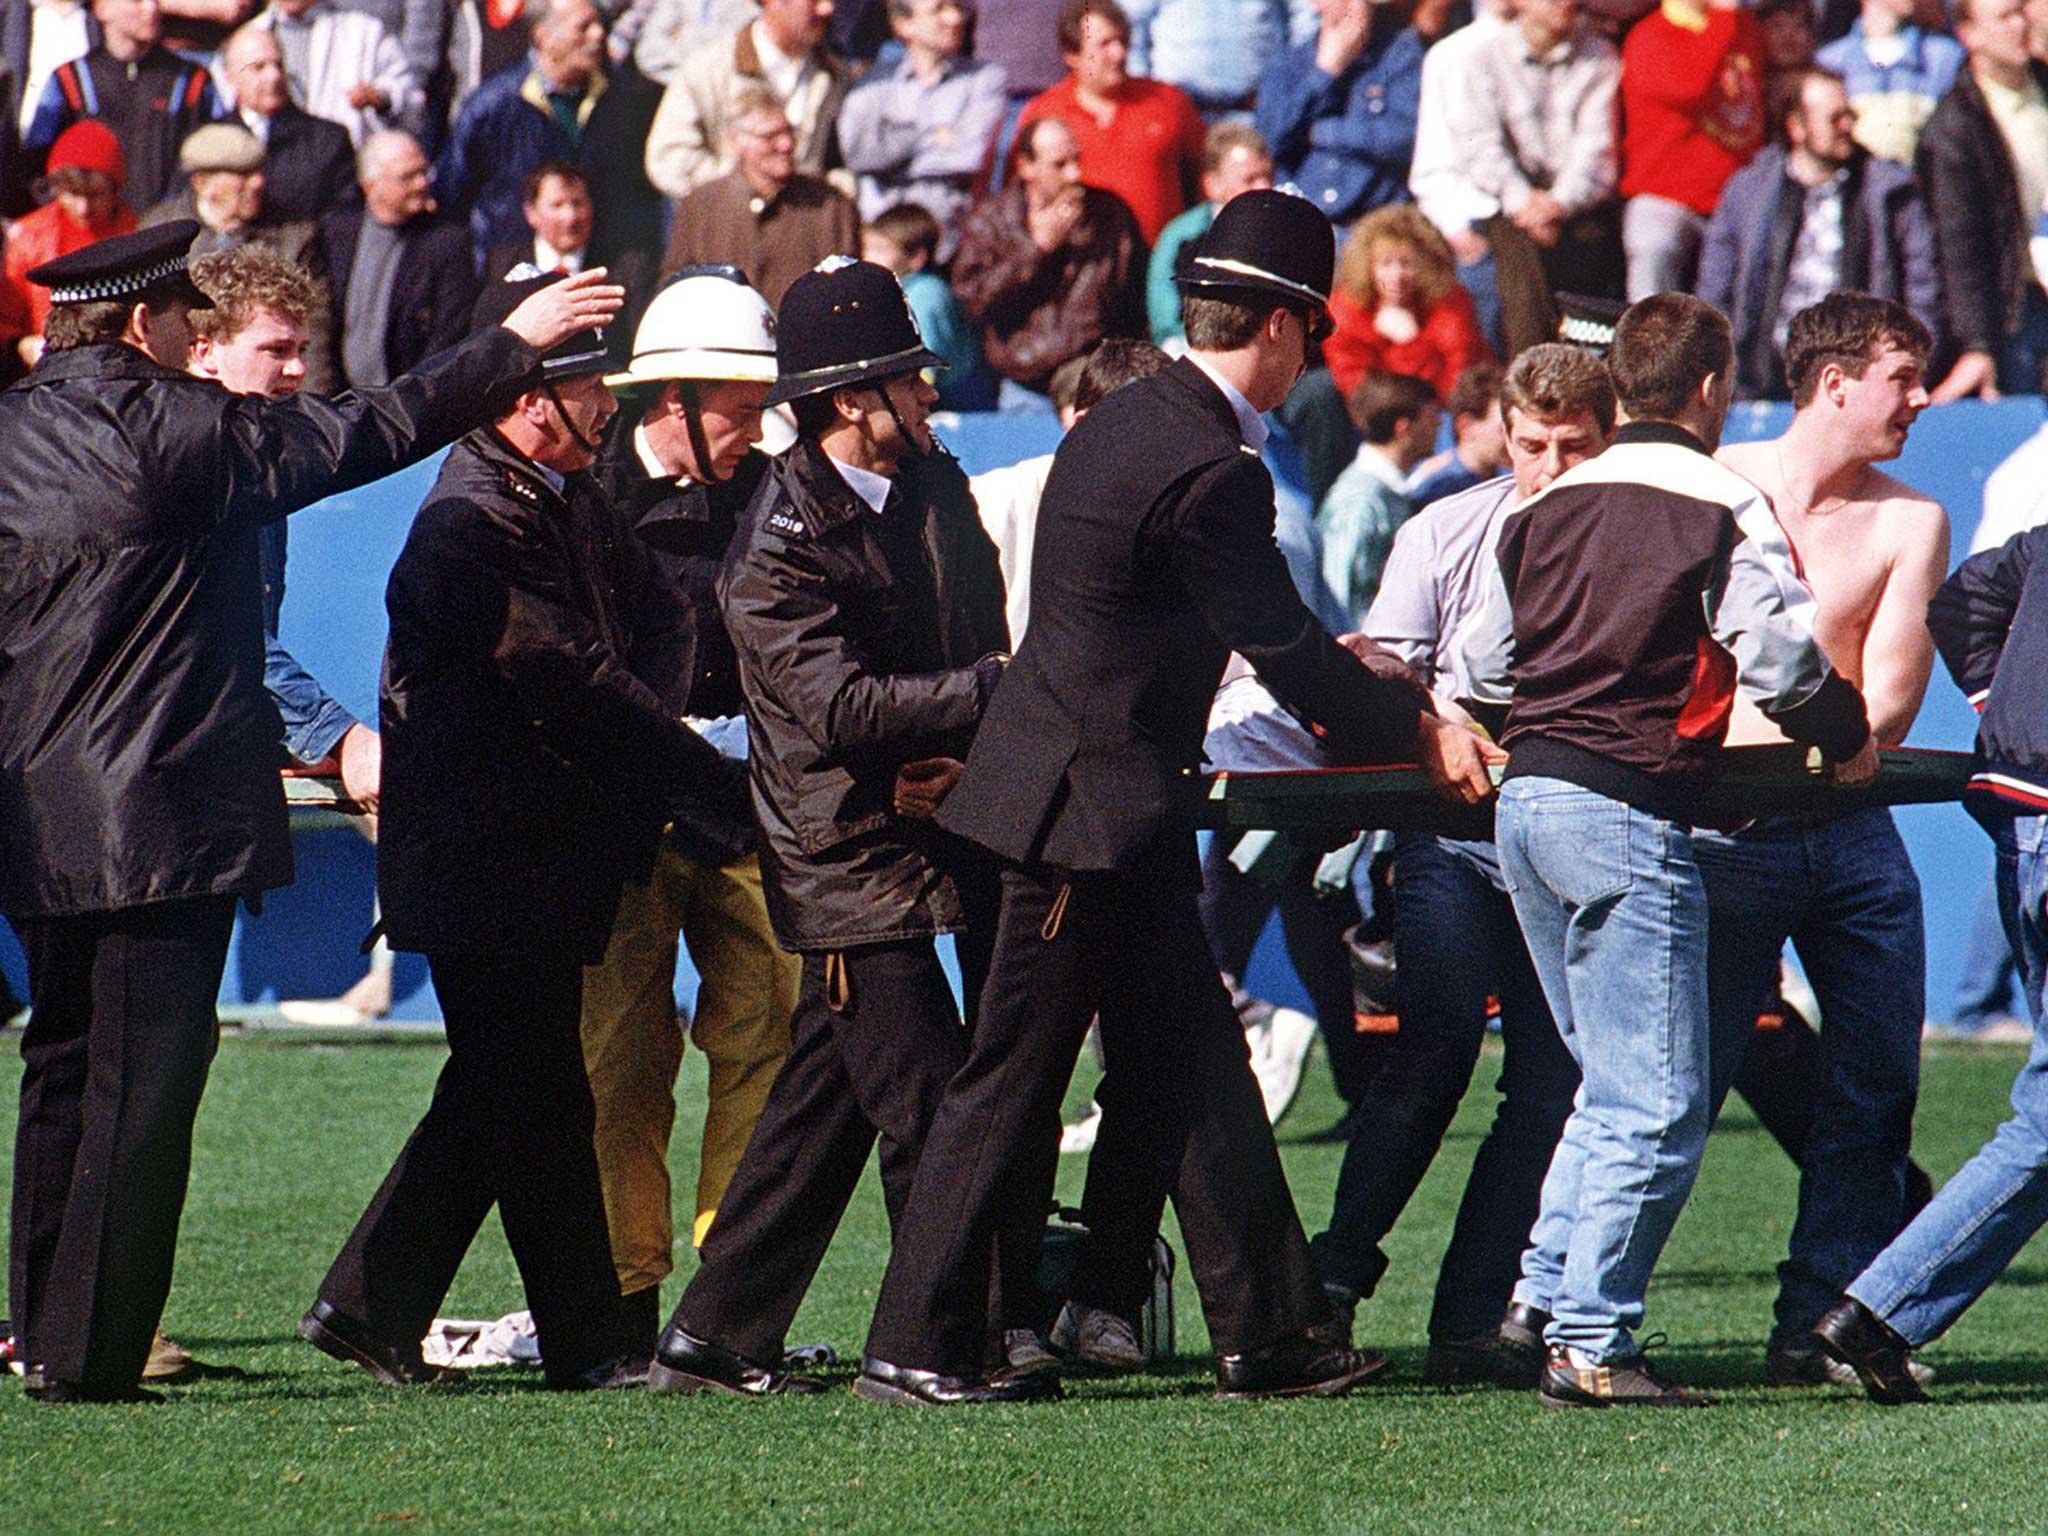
pixel 139 797
pixel 226 190
pixel 1149 569
pixel 86 177
pixel 866 607
pixel 513 618
pixel 151 97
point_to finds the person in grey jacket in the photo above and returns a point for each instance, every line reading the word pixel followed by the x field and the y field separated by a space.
pixel 1807 217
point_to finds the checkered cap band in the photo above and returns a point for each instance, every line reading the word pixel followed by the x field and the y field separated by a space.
pixel 121 286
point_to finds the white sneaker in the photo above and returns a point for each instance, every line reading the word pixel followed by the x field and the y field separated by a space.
pixel 1278 1058
pixel 1080 1136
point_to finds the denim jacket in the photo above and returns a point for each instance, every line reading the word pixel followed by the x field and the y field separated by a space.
pixel 1345 140
pixel 314 721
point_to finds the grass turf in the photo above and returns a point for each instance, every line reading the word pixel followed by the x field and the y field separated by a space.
pixel 294 1137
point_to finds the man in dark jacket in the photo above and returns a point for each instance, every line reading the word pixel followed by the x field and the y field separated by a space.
pixel 866 607
pixel 1152 567
pixel 138 752
pixel 1814 215
pixel 679 466
pixel 308 162
pixel 402 276
pixel 1981 158
pixel 525 769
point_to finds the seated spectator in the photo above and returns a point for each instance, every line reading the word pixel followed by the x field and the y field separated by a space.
pixel 309 163
pixel 1397 306
pixel 781 51
pixel 555 202
pixel 1983 161
pixel 150 97
pixel 763 216
pixel 1339 109
pixel 1692 112
pixel 1532 120
pixel 672 30
pixel 1896 72
pixel 1396 416
pixel 422 28
pixel 227 191
pixel 1808 216
pixel 342 65
pixel 920 131
pixel 1479 439
pixel 1008 498
pixel 905 239
pixel 401 277
pixel 1140 139
pixel 1048 267
pixel 1234 159
pixel 1217 51
pixel 86 176
pixel 1438 175
pixel 559 105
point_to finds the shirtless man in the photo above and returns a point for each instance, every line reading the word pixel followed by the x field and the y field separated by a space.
pixel 1873 551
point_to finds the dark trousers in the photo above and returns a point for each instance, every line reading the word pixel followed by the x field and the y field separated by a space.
pixel 1457 942
pixel 871 1048
pixel 510 1125
pixel 1181 1115
pixel 114 1061
pixel 1234 909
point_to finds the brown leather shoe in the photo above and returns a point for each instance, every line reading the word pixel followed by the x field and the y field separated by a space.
pixel 1869 1346
pixel 1296 1367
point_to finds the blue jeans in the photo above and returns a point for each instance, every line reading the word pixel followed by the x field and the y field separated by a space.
pixel 1983 1216
pixel 1615 916
pixel 1843 891
pixel 1984 988
pixel 1457 942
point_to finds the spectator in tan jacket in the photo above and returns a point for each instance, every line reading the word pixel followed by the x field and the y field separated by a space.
pixel 781 51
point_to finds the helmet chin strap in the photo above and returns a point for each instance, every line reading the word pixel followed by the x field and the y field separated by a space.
pixel 568 421
pixel 913 450
pixel 693 423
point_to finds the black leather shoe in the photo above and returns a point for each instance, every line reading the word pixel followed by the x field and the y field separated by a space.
pixel 47 1391
pixel 881 1382
pixel 1522 1353
pixel 686 1363
pixel 1863 1341
pixel 621 1373
pixel 1296 1367
pixel 349 1341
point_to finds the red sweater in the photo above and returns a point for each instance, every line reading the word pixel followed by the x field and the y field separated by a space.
pixel 1448 343
pixel 43 236
pixel 1692 104
pixel 1140 154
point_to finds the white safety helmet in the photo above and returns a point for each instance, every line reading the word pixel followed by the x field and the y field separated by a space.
pixel 706 323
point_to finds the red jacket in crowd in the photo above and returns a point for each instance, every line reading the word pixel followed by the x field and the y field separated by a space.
pixel 1692 99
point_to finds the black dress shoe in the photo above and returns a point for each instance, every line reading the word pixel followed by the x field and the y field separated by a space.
pixel 44 1390
pixel 1296 1367
pixel 1881 1359
pixel 881 1382
pixel 621 1373
pixel 336 1333
pixel 686 1363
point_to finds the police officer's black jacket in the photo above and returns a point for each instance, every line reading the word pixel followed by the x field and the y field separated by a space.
pixel 689 528
pixel 857 646
pixel 138 749
pixel 1154 560
pixel 525 767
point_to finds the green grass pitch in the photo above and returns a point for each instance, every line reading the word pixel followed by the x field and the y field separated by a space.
pixel 294 1136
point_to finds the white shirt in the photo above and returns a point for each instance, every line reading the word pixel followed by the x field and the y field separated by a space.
pixel 1437 175
pixel 867 485
pixel 2015 495
pixel 784 74
pixel 1007 500
pixel 548 259
pixel 256 122
pixel 1250 424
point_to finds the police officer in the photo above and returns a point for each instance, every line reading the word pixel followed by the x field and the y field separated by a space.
pixel 680 465
pixel 139 796
pixel 866 607
pixel 1155 561
pixel 525 772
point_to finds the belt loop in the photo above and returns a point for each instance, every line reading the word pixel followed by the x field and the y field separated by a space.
pixel 1050 928
pixel 838 985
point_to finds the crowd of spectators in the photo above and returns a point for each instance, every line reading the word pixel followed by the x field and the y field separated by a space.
pixel 1033 171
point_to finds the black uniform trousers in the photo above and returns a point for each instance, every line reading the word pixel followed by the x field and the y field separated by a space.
pixel 510 1125
pixel 873 1041
pixel 1181 1115
pixel 114 1061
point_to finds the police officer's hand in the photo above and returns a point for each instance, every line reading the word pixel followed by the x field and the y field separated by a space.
pixel 921 785
pixel 557 312
pixel 1860 769
pixel 1456 760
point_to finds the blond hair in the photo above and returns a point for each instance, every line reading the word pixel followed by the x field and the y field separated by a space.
pixel 1398 224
